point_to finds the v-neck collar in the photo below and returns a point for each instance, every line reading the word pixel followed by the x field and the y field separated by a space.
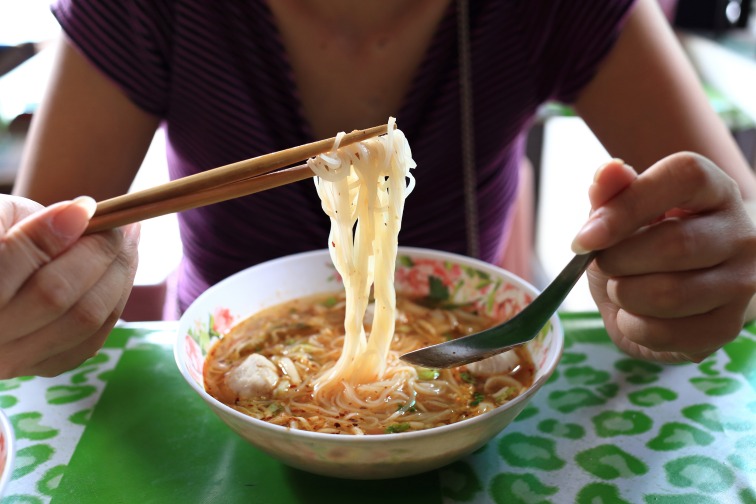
pixel 443 35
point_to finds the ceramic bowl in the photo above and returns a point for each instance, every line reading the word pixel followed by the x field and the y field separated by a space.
pixel 7 452
pixel 372 456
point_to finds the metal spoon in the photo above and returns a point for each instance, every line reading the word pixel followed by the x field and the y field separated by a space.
pixel 518 330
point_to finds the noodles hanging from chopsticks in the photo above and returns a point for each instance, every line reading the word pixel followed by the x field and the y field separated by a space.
pixel 362 188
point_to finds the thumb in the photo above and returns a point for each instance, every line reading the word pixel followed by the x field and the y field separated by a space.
pixel 42 236
pixel 609 181
pixel 680 184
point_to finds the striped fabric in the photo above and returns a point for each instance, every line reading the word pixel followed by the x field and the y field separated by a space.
pixel 216 72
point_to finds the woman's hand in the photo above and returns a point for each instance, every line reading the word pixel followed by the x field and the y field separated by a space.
pixel 678 263
pixel 60 292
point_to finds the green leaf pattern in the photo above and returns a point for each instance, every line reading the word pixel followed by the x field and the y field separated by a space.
pixel 610 429
pixel 46 432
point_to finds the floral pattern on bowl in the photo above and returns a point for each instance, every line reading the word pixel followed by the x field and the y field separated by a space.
pixel 446 282
pixel 202 335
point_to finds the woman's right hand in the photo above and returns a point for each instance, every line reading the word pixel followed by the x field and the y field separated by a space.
pixel 60 292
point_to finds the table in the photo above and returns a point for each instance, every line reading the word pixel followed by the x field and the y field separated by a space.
pixel 124 427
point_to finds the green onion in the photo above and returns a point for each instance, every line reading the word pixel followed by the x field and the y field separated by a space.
pixel 477 398
pixel 505 394
pixel 427 374
pixel 406 408
pixel 467 377
pixel 397 427
pixel 330 302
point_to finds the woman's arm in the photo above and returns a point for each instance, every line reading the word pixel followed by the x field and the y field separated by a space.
pixel 86 138
pixel 677 267
pixel 61 293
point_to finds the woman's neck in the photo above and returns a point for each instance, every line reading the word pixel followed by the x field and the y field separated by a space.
pixel 354 61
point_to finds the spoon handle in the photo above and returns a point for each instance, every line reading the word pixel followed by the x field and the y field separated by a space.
pixel 548 302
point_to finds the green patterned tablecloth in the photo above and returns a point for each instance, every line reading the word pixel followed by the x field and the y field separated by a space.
pixel 124 427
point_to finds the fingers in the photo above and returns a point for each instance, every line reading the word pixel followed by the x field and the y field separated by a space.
pixel 703 334
pixel 71 358
pixel 60 292
pixel 58 285
pixel 665 339
pixel 77 333
pixel 676 268
pixel 705 232
pixel 675 295
pixel 674 244
pixel 13 209
pixel 37 239
pixel 680 184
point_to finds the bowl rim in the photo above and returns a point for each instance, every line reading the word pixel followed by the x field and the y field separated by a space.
pixel 549 365
pixel 6 429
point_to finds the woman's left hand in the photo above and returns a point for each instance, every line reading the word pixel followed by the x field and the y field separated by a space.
pixel 677 267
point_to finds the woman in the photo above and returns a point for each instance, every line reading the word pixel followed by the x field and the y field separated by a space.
pixel 230 80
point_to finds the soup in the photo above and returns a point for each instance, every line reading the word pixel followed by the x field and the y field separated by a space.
pixel 267 367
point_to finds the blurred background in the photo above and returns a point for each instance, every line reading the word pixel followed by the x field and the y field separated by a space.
pixel 718 35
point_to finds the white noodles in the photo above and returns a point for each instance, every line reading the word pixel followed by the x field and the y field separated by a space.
pixel 362 188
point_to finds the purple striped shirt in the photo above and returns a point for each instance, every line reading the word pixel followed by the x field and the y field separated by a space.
pixel 214 72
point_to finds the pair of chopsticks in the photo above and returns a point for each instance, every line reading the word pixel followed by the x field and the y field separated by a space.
pixel 219 184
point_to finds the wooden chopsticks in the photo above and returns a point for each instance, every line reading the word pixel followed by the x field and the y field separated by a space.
pixel 219 184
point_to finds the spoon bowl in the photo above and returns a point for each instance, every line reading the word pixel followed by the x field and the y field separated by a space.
pixel 520 329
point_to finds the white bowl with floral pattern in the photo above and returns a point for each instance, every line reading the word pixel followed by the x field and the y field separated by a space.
pixel 7 452
pixel 464 280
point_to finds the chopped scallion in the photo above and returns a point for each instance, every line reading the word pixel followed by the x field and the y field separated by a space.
pixel 467 377
pixel 505 394
pixel 427 374
pixel 406 408
pixel 477 398
pixel 397 427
